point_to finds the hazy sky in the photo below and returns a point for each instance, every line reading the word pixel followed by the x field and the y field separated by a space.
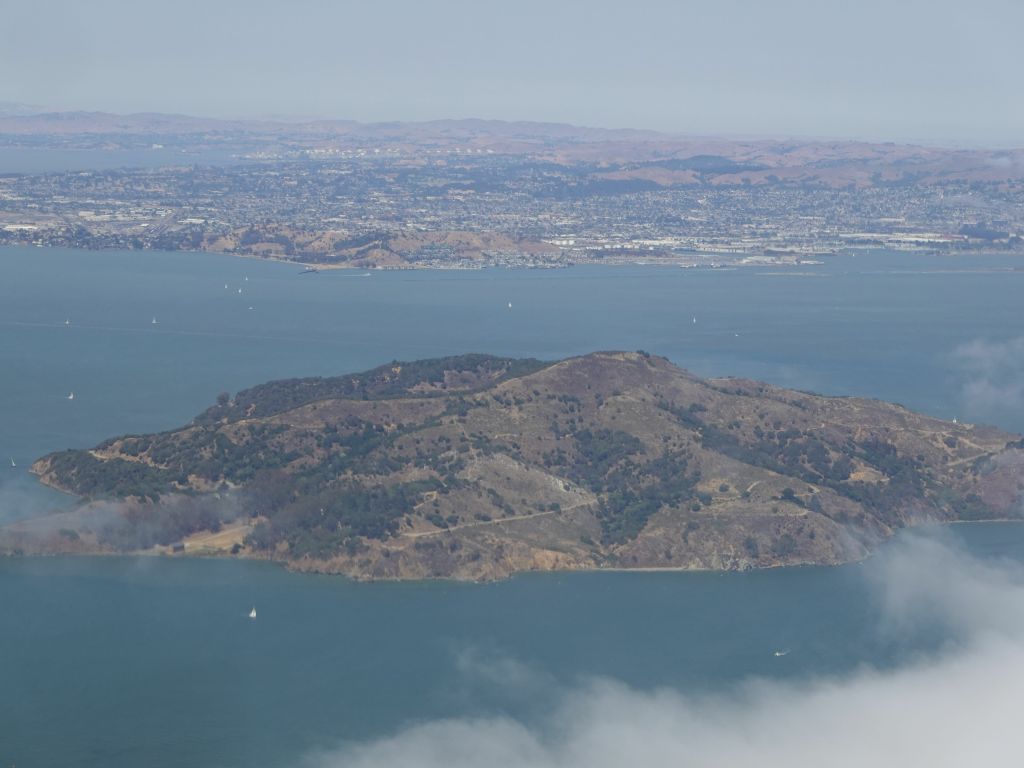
pixel 935 69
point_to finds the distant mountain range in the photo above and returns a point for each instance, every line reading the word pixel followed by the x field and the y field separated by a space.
pixel 638 155
pixel 20 119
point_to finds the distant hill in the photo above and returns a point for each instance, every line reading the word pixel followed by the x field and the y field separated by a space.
pixel 475 467
pixel 19 119
pixel 658 158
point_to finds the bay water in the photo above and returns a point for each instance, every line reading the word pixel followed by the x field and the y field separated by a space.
pixel 130 661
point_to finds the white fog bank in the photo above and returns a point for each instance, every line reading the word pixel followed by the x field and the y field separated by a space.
pixel 958 708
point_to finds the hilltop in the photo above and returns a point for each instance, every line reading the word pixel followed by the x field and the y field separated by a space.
pixel 476 467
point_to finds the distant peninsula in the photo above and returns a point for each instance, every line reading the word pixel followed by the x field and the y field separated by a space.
pixel 476 467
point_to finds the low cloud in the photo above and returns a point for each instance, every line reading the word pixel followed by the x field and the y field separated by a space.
pixel 993 376
pixel 495 672
pixel 958 707
pixel 926 579
pixel 123 525
pixel 19 503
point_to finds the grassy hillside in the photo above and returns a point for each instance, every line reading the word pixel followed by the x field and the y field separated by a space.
pixel 476 466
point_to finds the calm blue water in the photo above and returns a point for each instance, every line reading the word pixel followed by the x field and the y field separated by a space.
pixel 47 160
pixel 878 325
pixel 127 662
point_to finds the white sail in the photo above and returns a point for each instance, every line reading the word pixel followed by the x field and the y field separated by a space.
pixel 252 613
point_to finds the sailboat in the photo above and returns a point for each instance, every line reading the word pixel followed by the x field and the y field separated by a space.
pixel 13 465
pixel 252 613
pixel 510 305
pixel 67 322
pixel 71 396
pixel 154 321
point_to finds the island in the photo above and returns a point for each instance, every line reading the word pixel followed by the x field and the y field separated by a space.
pixel 476 467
